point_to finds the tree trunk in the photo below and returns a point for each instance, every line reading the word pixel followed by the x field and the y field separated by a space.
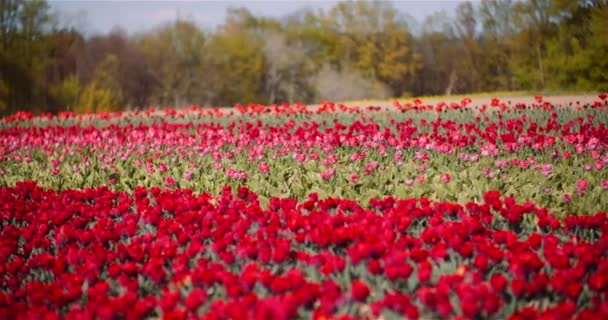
pixel 291 86
pixel 451 83
pixel 540 66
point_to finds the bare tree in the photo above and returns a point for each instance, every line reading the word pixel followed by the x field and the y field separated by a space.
pixel 347 84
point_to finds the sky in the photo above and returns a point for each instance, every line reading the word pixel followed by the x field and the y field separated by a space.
pixel 97 16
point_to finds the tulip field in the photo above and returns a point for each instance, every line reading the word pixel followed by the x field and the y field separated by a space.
pixel 413 211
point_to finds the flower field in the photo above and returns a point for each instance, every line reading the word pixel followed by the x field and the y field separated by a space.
pixel 443 211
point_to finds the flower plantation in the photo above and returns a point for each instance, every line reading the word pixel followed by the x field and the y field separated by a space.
pixel 447 211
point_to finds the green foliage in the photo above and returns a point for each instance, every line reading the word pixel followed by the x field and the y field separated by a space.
pixel 96 98
pixel 176 54
pixel 599 48
pixel 67 92
pixel 576 54
pixel 107 75
pixel 366 47
pixel 23 51
pixel 101 94
pixel 237 64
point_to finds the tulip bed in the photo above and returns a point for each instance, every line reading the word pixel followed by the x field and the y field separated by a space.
pixel 444 211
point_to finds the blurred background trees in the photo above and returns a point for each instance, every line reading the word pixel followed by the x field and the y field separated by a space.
pixel 355 50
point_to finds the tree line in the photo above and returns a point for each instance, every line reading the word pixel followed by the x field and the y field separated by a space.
pixel 355 50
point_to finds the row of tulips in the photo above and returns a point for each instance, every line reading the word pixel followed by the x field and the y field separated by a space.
pixel 97 253
pixel 556 159
pixel 324 108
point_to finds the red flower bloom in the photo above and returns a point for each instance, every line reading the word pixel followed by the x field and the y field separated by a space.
pixel 470 308
pixel 398 272
pixel 527 313
pixel 491 304
pixel 444 308
pixel 498 282
pixel 540 282
pixel 195 299
pixel 518 287
pixel 425 271
pixel 373 266
pixel 598 282
pixel 428 297
pixel 445 178
pixel 573 290
pixel 481 262
pixel 492 198
pixel 359 290
pixel 169 300
pixel 411 312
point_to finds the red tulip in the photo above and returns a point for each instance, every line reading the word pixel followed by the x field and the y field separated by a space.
pixel 195 299
pixel 359 290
